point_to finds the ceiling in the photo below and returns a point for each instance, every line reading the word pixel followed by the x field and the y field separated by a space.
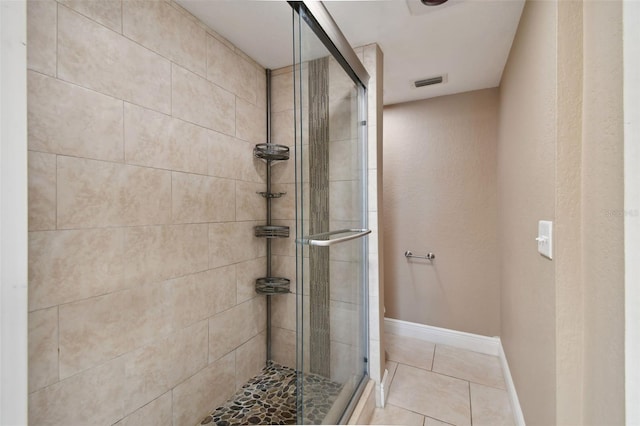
pixel 466 41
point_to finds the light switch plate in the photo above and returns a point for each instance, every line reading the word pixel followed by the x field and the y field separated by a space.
pixel 545 238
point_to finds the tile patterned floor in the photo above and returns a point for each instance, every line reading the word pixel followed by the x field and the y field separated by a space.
pixel 435 385
pixel 270 399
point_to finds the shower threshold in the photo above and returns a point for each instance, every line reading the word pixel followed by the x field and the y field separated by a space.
pixel 270 399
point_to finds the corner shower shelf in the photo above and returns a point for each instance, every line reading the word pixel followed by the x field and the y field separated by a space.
pixel 272 285
pixel 271 152
pixel 272 194
pixel 272 231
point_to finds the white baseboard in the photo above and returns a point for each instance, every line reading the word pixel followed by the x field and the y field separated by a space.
pixel 468 341
pixel 384 386
pixel 443 336
pixel 518 417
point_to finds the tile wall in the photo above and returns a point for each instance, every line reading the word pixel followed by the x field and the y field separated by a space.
pixel 141 212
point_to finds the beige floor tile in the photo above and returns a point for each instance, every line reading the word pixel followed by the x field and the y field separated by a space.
pixel 490 406
pixel 472 366
pixel 428 421
pixel 406 350
pixel 391 367
pixel 431 394
pixel 392 415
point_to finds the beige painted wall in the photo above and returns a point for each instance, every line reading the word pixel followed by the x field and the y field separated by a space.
pixel 603 214
pixel 526 184
pixel 142 203
pixel 440 196
pixel 560 158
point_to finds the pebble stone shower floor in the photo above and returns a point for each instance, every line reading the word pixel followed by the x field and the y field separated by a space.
pixel 270 399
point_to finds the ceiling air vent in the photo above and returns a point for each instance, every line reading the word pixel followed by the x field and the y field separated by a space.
pixel 429 81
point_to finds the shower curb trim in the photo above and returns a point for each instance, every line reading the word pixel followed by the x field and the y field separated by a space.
pixel 459 339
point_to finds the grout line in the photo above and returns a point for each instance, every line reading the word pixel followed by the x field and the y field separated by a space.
pixel 433 358
pixel 470 407
pixel 124 140
pixel 57 36
pixel 58 343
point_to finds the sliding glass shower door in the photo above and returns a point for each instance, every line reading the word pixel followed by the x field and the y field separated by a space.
pixel 331 225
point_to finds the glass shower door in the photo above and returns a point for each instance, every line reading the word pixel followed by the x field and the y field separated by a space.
pixel 331 228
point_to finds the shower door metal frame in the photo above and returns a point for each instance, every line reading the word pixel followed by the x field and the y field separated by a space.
pixel 319 20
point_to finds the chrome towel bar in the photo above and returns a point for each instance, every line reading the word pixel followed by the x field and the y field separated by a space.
pixel 428 256
pixel 323 241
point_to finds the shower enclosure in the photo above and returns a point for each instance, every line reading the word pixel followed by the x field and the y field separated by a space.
pixel 331 211
pixel 316 337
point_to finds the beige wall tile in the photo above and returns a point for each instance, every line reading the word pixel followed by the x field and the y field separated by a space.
pixel 284 171
pixel 194 398
pixel 284 311
pixel 233 327
pixel 65 266
pixel 284 347
pixel 344 200
pixel 95 193
pixel 157 368
pixel 70 120
pixel 285 206
pixel 344 278
pixel 344 159
pixel 282 127
pixel 164 29
pixel 285 266
pixel 250 359
pixel 95 57
pixel 98 329
pixel 155 253
pixel 261 86
pixel 156 140
pixel 343 116
pixel 199 101
pixel 250 122
pixel 282 92
pixel 249 204
pixel 42 17
pixel 233 242
pixel 43 348
pixel 226 154
pixel 285 246
pixel 156 413
pixel 372 62
pixel 344 362
pixel 230 70
pixel 42 191
pixel 251 168
pixel 93 397
pixel 246 280
pixel 344 322
pixel 197 198
pixel 340 84
pixel 199 296
pixel 346 252
pixel 106 12
pixel 248 272
pixel 233 158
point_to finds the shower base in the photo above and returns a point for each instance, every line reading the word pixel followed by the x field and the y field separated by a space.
pixel 270 399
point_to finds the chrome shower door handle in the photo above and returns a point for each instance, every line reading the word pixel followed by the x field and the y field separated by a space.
pixel 322 241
